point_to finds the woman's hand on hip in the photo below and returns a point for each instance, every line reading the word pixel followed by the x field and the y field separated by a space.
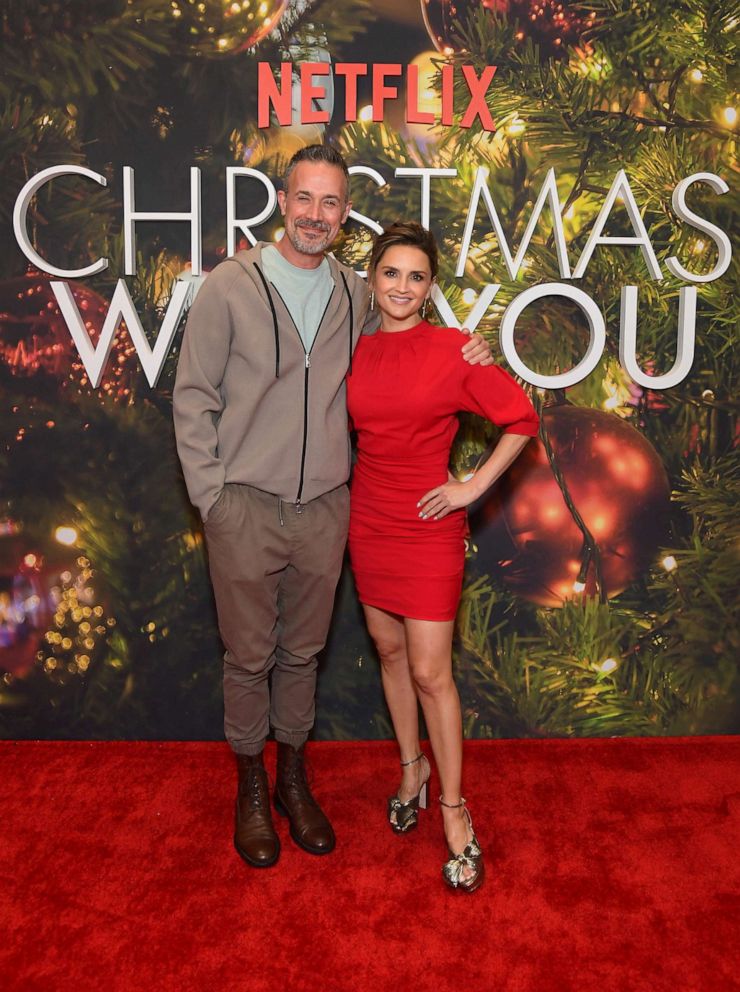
pixel 453 495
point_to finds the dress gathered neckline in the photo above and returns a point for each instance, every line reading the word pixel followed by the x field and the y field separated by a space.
pixel 408 330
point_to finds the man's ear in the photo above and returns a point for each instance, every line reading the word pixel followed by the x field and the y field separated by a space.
pixel 281 198
pixel 347 209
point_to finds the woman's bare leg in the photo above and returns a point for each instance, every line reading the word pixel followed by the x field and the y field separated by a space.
pixel 387 631
pixel 429 650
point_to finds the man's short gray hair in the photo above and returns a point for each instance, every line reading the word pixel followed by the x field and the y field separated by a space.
pixel 318 153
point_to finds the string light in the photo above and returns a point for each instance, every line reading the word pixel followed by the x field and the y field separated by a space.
pixel 73 641
pixel 515 128
pixel 729 115
pixel 669 563
pixel 619 395
pixel 66 535
pixel 579 586
pixel 696 75
pixel 608 665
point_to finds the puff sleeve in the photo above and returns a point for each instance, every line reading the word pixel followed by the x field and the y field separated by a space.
pixel 491 392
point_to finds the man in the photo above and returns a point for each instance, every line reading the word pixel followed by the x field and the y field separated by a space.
pixel 261 427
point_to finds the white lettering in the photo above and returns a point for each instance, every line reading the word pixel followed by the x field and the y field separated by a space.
pixel 724 247
pixel 131 215
pixel 620 187
pixel 20 213
pixel 596 344
pixel 684 343
pixel 121 308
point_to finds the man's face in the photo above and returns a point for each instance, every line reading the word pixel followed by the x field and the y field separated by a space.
pixel 314 207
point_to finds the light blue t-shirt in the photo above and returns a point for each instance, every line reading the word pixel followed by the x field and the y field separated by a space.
pixel 305 292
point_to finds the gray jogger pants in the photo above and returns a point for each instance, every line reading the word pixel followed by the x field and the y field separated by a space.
pixel 274 568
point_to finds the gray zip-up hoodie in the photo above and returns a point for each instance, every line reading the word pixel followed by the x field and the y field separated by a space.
pixel 250 405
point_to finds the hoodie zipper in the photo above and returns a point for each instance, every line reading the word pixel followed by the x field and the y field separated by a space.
pixel 307 366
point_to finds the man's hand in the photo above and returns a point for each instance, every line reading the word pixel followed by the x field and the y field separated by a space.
pixel 477 350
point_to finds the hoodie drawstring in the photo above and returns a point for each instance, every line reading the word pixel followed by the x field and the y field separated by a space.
pixel 351 319
pixel 274 321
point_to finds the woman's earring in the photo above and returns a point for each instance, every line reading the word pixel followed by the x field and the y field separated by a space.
pixel 372 300
pixel 424 308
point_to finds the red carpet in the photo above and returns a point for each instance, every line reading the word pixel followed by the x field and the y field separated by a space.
pixel 612 865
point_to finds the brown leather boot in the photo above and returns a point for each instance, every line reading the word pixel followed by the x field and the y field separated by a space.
pixel 254 838
pixel 309 827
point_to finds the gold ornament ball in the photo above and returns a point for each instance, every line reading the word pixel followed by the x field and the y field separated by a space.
pixel 226 27
pixel 278 145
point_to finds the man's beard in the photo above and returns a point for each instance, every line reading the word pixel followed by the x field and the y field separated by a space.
pixel 310 247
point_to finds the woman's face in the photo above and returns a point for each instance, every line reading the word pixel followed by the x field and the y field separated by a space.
pixel 402 280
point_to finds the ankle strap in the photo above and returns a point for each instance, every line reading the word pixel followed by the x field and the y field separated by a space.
pixel 452 805
pixel 413 760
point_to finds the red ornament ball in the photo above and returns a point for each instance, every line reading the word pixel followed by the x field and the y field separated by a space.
pixel 617 484
pixel 551 24
pixel 34 336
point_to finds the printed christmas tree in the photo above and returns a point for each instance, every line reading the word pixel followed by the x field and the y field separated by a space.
pixel 600 595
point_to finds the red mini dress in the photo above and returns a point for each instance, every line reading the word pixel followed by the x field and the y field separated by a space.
pixel 403 394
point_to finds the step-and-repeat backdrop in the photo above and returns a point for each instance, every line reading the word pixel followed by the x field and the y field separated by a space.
pixel 575 163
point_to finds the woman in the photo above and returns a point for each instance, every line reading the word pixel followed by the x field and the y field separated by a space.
pixel 408 522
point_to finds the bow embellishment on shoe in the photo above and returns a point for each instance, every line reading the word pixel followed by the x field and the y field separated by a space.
pixel 454 869
pixel 402 816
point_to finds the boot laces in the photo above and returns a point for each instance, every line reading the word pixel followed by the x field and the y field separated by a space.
pixel 297 781
pixel 252 788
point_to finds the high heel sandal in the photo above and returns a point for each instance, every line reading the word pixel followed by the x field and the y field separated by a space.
pixel 471 858
pixel 405 816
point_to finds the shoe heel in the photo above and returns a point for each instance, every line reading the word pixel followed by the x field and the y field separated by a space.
pixel 423 795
